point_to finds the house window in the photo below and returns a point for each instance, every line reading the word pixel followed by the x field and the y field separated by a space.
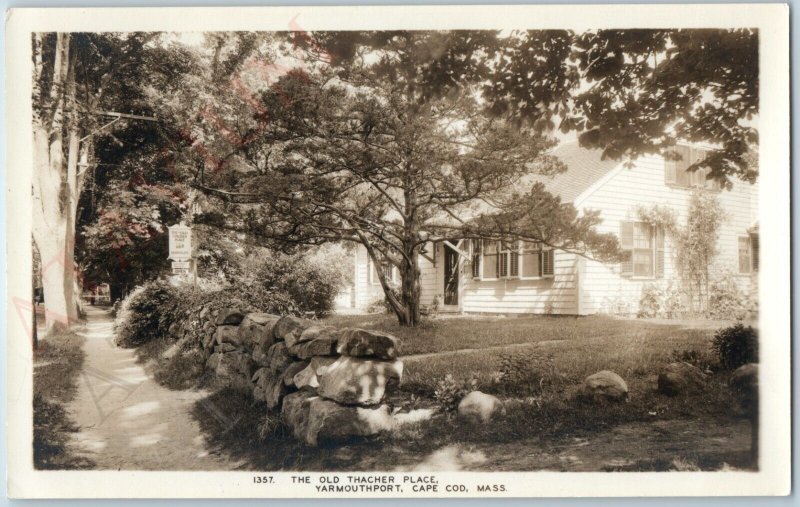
pixel 390 270
pixel 513 259
pixel 748 254
pixel 643 250
pixel 677 173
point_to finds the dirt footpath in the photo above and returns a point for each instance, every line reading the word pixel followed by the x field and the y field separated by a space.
pixel 127 421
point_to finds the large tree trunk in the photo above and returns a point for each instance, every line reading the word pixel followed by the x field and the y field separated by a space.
pixel 410 291
pixel 53 191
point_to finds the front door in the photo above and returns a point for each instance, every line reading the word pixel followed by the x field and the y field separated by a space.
pixel 450 276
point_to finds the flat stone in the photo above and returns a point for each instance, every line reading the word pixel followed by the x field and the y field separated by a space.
pixel 292 370
pixel 309 376
pixel 354 381
pixel 225 347
pixel 278 358
pixel 227 334
pixel 321 346
pixel 362 343
pixel 290 328
pixel 255 330
pixel 229 316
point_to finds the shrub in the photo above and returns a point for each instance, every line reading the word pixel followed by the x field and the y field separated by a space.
pixel 449 392
pixel 736 345
pixel 310 283
pixel 151 309
pixel 727 301
pixel 526 373
pixel 658 301
pixel 140 317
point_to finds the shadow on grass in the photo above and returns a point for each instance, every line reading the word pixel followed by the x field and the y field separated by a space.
pixel 57 365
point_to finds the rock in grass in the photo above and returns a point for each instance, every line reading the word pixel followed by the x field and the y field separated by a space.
pixel 354 381
pixel 314 419
pixel 680 378
pixel 744 383
pixel 356 342
pixel 229 316
pixel 255 331
pixel 603 386
pixel 290 328
pixel 480 406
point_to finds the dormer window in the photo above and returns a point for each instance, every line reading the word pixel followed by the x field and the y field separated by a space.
pixel 678 175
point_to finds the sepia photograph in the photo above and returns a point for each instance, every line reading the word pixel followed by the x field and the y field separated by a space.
pixel 381 255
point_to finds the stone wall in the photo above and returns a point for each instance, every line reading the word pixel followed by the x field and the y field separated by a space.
pixel 327 383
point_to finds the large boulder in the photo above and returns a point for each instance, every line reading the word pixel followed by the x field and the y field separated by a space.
pixel 269 387
pixel 680 378
pixel 290 328
pixel 744 383
pixel 255 331
pixel 227 334
pixel 229 316
pixel 309 376
pixel 354 381
pixel 314 419
pixel 315 341
pixel 603 386
pixel 480 406
pixel 362 343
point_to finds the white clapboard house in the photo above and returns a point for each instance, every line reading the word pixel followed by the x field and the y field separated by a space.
pixel 496 278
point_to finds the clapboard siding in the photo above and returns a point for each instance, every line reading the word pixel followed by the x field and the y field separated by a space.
pixel 599 287
pixel 619 198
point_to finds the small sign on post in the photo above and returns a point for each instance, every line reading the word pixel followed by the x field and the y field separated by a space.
pixel 180 251
pixel 180 242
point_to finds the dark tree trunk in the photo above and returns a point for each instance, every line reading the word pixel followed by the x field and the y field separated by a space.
pixel 408 314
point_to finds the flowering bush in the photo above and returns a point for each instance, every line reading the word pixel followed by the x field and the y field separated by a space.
pixel 726 300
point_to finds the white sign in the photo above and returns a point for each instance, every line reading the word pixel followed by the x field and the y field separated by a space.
pixel 180 242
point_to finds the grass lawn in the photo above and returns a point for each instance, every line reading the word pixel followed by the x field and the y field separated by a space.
pixel 533 364
pixel 478 332
pixel 56 366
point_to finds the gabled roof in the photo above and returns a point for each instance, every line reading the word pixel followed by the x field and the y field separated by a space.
pixel 585 167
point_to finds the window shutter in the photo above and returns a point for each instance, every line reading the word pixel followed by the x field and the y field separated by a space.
pixel 670 172
pixel 745 247
pixel 547 262
pixel 476 258
pixel 514 264
pixel 754 251
pixel 659 252
pixel 626 244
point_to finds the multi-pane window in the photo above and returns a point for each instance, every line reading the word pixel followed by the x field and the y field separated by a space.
pixel 748 254
pixel 643 250
pixel 510 259
pixel 390 270
pixel 677 173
